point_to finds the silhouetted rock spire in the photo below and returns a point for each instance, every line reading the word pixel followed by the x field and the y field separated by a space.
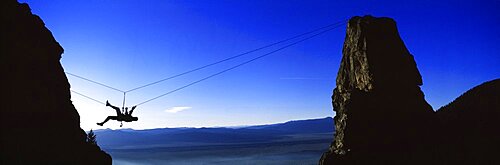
pixel 381 113
pixel 39 124
pixel 383 118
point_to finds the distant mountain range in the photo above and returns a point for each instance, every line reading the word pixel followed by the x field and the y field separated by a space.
pixel 179 137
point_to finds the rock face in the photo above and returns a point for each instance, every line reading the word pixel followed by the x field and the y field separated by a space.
pixel 380 110
pixel 382 116
pixel 39 124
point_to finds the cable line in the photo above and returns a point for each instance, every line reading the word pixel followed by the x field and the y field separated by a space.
pixel 208 65
pixel 95 82
pixel 241 64
pixel 88 97
pixel 239 55
pixel 328 28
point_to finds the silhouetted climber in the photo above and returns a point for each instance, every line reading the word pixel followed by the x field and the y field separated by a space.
pixel 124 115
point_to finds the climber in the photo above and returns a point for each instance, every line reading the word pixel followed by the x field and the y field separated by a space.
pixel 123 115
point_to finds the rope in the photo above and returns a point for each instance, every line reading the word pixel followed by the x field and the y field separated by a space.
pixel 328 28
pixel 88 97
pixel 92 81
pixel 123 103
pixel 239 55
pixel 241 64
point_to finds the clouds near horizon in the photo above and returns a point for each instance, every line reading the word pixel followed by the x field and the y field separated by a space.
pixel 177 109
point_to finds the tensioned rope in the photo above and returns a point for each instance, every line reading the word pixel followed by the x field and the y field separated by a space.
pixel 95 82
pixel 236 66
pixel 236 56
pixel 88 97
pixel 335 25
pixel 211 64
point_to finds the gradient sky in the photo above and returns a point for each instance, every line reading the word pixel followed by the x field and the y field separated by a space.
pixel 128 43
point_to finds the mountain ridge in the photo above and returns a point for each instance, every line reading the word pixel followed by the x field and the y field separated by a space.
pixel 108 138
pixel 232 127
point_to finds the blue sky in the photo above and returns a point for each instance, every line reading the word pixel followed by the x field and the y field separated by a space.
pixel 129 43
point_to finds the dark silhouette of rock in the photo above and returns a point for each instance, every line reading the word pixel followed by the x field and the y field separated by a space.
pixel 381 113
pixel 39 124
pixel 383 118
pixel 470 126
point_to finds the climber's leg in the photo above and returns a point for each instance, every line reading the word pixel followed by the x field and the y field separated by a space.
pixel 107 119
pixel 114 107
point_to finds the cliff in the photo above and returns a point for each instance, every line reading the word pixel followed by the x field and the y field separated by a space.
pixel 39 124
pixel 383 118
pixel 380 110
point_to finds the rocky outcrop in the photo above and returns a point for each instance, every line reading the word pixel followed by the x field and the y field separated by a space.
pixel 39 124
pixel 470 127
pixel 383 118
pixel 381 113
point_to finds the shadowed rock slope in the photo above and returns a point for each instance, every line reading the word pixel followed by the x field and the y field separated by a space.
pixel 470 126
pixel 381 114
pixel 39 124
